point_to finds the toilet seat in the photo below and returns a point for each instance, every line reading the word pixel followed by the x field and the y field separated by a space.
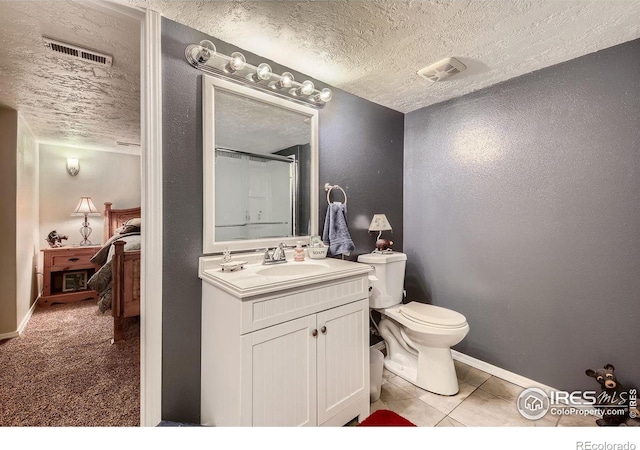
pixel 431 315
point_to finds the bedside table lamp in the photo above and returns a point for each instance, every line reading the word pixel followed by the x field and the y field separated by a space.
pixel 85 208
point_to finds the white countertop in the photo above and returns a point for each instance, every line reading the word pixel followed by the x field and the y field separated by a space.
pixel 253 280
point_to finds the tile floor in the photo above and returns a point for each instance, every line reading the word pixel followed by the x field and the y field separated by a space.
pixel 483 401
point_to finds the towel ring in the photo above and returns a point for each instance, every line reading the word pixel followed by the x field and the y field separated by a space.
pixel 328 187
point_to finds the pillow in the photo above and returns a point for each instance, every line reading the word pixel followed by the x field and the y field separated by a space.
pixel 137 222
pixel 130 226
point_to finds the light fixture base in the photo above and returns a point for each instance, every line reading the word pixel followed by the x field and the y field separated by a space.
pixel 217 66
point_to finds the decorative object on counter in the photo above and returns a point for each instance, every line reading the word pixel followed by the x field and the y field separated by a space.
pixel 55 240
pixel 315 241
pixel 612 398
pixel 335 234
pixel 232 266
pixel 317 249
pixel 204 57
pixel 73 166
pixel 85 208
pixel 317 252
pixel 226 255
pixel 380 223
pixel 298 253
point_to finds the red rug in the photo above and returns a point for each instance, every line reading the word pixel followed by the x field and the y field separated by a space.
pixel 385 418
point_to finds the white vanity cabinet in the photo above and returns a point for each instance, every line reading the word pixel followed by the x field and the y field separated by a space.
pixel 291 357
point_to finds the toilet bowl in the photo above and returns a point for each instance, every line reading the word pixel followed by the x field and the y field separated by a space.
pixel 429 332
pixel 418 336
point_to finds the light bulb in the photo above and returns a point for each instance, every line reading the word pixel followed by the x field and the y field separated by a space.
pixel 286 81
pixel 237 62
pixel 305 89
pixel 262 73
pixel 324 95
pixel 206 51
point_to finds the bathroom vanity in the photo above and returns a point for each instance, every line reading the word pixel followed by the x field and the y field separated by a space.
pixel 285 344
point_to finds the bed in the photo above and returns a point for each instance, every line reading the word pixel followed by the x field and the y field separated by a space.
pixel 117 281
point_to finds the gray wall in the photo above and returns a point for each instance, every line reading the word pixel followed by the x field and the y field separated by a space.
pixel 522 211
pixel 361 148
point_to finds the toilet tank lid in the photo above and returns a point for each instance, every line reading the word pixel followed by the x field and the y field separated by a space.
pixel 382 258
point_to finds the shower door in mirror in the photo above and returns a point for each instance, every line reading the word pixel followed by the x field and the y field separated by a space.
pixel 255 195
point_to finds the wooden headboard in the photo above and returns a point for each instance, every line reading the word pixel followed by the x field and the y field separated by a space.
pixel 115 218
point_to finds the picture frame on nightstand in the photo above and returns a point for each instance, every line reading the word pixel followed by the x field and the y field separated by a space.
pixel 74 281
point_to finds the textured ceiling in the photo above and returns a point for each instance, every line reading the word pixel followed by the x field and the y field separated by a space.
pixel 369 48
pixel 373 48
pixel 255 127
pixel 66 100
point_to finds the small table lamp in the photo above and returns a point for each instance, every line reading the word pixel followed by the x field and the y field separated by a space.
pixel 379 223
pixel 85 208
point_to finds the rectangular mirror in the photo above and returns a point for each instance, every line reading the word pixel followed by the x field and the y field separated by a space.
pixel 260 168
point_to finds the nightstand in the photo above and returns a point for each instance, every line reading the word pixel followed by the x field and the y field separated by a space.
pixel 66 272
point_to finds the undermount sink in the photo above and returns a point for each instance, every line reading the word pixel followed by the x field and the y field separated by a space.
pixel 292 269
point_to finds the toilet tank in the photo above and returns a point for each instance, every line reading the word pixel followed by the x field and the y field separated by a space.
pixel 387 280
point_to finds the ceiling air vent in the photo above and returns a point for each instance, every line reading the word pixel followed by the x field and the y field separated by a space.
pixel 78 52
pixel 442 69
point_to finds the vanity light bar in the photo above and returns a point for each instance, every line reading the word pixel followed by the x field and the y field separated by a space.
pixel 204 57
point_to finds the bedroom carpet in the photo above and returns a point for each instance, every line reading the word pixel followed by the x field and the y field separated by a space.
pixel 64 372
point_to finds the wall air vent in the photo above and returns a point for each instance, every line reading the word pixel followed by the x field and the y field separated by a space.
pixel 442 69
pixel 78 52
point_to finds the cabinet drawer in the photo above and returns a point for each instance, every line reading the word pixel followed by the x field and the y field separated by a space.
pixel 272 310
pixel 71 261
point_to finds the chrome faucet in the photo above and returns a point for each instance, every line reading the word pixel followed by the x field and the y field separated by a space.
pixel 276 256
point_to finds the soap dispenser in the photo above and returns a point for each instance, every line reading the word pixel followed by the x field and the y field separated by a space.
pixel 298 252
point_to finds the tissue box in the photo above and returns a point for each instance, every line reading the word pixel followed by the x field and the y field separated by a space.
pixel 317 252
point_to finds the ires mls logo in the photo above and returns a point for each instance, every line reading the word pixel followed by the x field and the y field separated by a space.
pixel 534 403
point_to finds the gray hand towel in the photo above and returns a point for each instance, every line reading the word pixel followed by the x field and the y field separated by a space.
pixel 336 234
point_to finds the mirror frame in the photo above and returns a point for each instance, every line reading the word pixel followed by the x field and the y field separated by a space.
pixel 210 245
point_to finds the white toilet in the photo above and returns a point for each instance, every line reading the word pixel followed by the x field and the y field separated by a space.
pixel 418 336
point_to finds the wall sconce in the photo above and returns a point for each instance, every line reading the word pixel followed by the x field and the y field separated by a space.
pixel 204 57
pixel 73 166
pixel 85 208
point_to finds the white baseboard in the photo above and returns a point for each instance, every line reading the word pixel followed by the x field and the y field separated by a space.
pixel 499 372
pixel 22 326
pixel 11 335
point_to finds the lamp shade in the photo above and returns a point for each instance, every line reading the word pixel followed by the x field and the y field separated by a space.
pixel 379 223
pixel 85 206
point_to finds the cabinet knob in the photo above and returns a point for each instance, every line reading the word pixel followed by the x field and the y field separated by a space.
pixel 314 333
pixel 323 329
pixel 74 259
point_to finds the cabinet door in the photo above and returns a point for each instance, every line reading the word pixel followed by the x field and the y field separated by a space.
pixel 343 354
pixel 279 375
